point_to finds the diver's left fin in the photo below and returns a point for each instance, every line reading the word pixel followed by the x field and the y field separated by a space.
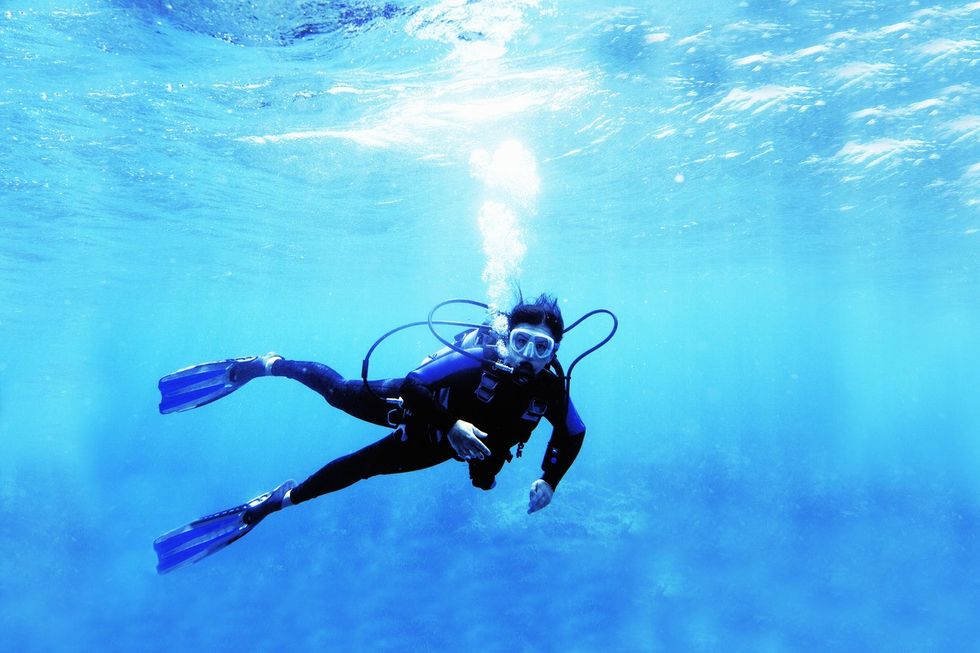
pixel 198 385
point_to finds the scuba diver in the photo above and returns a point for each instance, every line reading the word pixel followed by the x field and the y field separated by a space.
pixel 471 402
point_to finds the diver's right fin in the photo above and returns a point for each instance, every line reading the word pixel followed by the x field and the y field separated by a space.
pixel 198 385
pixel 199 539
pixel 202 537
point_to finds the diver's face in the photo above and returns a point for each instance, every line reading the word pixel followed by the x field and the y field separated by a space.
pixel 530 345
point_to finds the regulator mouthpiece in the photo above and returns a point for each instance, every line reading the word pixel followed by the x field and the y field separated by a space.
pixel 523 373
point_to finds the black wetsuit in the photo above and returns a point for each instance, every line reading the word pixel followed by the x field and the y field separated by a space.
pixel 436 395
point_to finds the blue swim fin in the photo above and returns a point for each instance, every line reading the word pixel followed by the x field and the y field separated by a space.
pixel 202 537
pixel 197 385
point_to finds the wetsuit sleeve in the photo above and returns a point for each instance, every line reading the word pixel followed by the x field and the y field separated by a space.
pixel 566 442
pixel 421 400
pixel 419 389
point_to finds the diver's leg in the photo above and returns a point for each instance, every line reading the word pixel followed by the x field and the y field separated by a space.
pixel 349 396
pixel 390 455
pixel 316 376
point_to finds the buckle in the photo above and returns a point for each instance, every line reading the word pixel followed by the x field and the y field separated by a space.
pixel 488 385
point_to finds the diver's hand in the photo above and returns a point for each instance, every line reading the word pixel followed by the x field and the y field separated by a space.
pixel 541 494
pixel 465 440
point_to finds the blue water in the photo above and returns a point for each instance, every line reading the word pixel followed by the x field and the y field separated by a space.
pixel 780 200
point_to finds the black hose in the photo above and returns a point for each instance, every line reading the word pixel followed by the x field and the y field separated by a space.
pixel 430 322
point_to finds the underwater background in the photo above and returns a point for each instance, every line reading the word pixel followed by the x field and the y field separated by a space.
pixel 779 199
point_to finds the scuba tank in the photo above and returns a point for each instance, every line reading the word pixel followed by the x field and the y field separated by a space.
pixel 469 339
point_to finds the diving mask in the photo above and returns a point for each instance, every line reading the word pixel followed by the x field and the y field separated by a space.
pixel 532 344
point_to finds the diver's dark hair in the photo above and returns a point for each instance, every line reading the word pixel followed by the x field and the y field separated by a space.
pixel 541 311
